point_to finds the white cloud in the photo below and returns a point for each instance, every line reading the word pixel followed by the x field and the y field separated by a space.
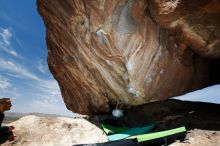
pixel 4 83
pixel 6 35
pixel 7 89
pixel 48 98
pixel 45 90
pixel 42 66
pixel 45 98
pixel 48 91
pixel 5 41
pixel 44 94
pixel 210 94
pixel 17 69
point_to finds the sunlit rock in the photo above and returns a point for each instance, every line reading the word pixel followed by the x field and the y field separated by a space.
pixel 54 131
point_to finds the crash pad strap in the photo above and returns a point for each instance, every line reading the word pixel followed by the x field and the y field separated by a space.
pixel 156 135
pixel 113 129
pixel 131 132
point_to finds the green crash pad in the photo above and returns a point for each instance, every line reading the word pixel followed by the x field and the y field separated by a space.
pixel 131 132
pixel 157 135
pixel 113 129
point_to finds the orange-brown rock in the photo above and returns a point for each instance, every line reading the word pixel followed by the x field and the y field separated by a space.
pixel 197 22
pixel 128 52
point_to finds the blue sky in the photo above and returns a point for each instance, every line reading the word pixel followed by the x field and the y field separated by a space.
pixel 24 74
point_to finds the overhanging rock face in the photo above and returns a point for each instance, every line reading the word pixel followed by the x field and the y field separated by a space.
pixel 127 52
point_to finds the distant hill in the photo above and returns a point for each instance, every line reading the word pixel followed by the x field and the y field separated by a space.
pixel 13 116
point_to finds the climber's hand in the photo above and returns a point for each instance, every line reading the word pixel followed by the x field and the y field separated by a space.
pixel 11 137
pixel 11 128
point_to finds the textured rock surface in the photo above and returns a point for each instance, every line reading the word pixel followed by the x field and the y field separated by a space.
pixel 128 52
pixel 199 137
pixel 197 23
pixel 51 131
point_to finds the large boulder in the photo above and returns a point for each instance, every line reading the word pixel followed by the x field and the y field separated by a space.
pixel 105 53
